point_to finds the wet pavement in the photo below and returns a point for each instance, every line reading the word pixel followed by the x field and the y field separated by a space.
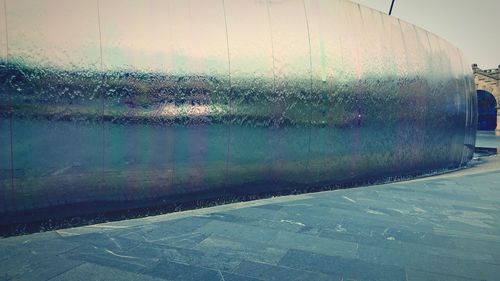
pixel 488 139
pixel 444 227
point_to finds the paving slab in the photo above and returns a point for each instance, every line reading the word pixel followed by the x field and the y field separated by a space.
pixel 94 272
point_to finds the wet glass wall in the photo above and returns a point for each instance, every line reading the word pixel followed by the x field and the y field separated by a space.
pixel 122 101
pixel 5 119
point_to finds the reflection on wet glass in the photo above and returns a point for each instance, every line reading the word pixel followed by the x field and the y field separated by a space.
pixel 163 98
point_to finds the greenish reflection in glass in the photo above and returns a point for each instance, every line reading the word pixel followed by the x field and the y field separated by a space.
pixel 161 98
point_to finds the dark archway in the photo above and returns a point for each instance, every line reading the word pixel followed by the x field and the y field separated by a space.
pixel 487 111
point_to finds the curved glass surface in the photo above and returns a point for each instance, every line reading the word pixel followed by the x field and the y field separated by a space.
pixel 159 99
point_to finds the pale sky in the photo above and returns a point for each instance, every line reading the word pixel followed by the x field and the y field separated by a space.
pixel 471 25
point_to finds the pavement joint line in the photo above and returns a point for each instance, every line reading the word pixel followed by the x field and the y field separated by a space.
pixel 197 212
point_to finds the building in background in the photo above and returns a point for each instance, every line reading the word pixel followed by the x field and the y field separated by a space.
pixel 488 97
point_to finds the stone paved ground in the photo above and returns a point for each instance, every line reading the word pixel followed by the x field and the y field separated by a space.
pixel 438 228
